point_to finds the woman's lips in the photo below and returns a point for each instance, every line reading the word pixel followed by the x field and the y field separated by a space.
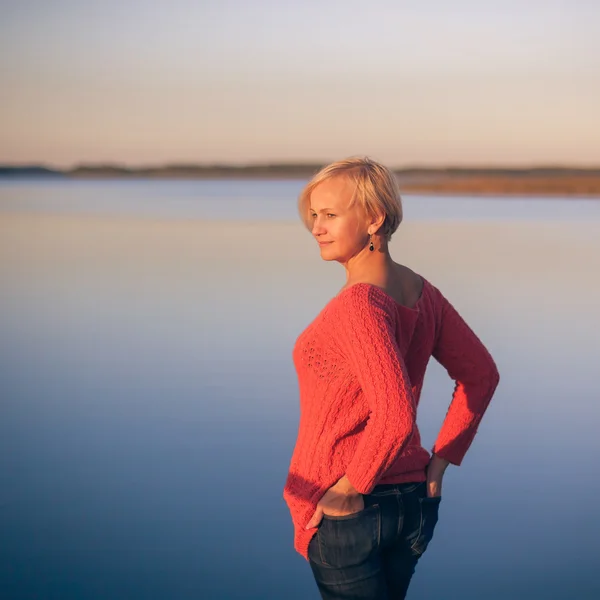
pixel 324 243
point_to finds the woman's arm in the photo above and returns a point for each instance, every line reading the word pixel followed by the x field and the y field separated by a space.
pixel 469 363
pixel 368 338
pixel 366 333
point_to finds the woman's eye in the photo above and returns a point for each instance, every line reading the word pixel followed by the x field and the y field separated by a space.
pixel 330 215
pixel 312 216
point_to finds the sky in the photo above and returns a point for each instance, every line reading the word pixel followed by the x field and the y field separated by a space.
pixel 432 83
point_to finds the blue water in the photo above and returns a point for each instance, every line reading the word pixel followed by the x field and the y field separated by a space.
pixel 255 200
pixel 148 402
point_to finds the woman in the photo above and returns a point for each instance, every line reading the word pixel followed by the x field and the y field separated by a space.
pixel 363 492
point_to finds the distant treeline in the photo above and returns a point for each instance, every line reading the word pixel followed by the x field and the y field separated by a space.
pixel 282 170
pixel 176 170
pixel 477 180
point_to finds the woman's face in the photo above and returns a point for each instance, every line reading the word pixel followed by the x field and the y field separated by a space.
pixel 340 231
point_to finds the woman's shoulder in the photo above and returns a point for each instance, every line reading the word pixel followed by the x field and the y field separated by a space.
pixel 363 295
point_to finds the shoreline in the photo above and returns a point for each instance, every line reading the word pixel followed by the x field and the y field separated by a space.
pixel 540 181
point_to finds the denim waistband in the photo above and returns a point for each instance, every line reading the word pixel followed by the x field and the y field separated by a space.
pixel 385 489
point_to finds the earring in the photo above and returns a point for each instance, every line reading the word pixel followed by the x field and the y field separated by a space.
pixel 371 247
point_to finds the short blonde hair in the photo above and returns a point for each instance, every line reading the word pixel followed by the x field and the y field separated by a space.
pixel 376 191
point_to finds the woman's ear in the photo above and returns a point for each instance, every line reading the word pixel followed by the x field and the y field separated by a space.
pixel 376 223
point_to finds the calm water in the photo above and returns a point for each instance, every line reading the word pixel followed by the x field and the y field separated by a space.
pixel 148 402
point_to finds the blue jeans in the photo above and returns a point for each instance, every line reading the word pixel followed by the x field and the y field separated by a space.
pixel 372 554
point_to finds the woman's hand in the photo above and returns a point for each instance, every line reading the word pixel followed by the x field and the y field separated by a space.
pixel 339 500
pixel 435 474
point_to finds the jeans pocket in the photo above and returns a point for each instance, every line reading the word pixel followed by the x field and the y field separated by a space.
pixel 429 508
pixel 349 540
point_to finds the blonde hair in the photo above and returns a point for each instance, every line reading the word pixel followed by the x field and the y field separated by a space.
pixel 376 191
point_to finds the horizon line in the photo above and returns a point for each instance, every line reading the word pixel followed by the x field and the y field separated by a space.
pixel 295 164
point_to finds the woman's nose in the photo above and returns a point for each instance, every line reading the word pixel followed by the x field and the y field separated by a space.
pixel 318 227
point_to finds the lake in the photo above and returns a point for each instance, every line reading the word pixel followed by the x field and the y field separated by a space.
pixel 149 405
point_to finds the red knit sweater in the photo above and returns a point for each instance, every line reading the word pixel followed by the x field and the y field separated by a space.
pixel 360 367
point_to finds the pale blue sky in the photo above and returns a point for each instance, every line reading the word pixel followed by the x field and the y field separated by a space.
pixel 464 82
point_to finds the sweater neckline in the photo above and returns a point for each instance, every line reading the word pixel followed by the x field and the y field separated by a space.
pixel 414 309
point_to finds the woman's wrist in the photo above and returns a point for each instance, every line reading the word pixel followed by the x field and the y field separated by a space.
pixel 434 488
pixel 435 474
pixel 343 486
pixel 436 467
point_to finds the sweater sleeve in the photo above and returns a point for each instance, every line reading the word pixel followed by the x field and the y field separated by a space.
pixel 476 377
pixel 368 339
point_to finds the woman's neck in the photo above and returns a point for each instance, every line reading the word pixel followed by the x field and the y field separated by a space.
pixel 370 267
